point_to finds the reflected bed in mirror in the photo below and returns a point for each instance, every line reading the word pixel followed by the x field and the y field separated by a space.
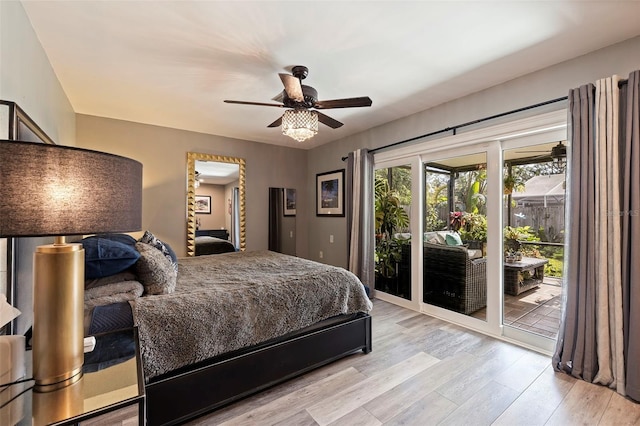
pixel 215 204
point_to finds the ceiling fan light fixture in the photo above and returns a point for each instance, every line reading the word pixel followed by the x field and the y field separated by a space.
pixel 559 157
pixel 300 124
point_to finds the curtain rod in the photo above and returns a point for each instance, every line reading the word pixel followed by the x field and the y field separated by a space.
pixel 480 120
pixel 468 123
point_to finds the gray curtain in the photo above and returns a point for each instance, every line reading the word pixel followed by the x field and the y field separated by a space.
pixel 598 336
pixel 630 182
pixel 359 204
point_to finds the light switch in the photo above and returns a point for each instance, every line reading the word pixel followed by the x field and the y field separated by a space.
pixel 330 238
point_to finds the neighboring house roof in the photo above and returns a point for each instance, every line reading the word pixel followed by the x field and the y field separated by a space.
pixel 542 189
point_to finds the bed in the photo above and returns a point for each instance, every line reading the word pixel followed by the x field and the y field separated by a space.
pixel 212 245
pixel 237 323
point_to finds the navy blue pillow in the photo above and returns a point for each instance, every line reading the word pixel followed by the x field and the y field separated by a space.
pixel 105 256
pixel 121 238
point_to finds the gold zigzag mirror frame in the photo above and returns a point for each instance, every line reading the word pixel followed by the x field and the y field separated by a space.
pixel 192 157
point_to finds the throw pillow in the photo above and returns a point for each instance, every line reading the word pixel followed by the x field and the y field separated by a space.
pixel 154 270
pixel 104 257
pixel 442 237
pixel 453 239
pixel 165 249
pixel 121 238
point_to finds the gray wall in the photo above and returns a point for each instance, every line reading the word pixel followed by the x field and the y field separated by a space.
pixel 163 153
pixel 549 83
pixel 26 78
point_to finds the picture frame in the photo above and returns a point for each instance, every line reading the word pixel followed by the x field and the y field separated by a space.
pixel 330 193
pixel 289 202
pixel 203 204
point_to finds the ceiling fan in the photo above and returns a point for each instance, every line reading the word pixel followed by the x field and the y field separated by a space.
pixel 557 152
pixel 300 121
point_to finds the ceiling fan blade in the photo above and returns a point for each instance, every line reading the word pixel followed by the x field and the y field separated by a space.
pixel 253 103
pixel 523 152
pixel 325 119
pixel 279 97
pixel 292 86
pixel 364 101
pixel 276 123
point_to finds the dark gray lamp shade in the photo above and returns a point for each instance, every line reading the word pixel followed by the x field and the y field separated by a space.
pixel 54 190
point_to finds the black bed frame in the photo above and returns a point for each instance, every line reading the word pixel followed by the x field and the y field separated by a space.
pixel 223 380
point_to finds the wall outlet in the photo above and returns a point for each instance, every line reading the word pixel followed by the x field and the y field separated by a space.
pixel 321 254
pixel 331 238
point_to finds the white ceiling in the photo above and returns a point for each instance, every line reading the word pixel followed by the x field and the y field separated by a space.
pixel 172 63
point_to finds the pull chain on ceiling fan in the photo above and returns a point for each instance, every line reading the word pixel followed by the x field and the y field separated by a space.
pixel 300 121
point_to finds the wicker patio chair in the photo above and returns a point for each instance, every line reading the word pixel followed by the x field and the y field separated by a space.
pixel 452 280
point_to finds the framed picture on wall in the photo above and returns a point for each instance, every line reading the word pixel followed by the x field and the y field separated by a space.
pixel 289 202
pixel 330 193
pixel 203 204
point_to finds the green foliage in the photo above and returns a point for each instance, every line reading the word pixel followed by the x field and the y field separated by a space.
pixel 521 233
pixel 389 213
pixel 513 236
pixel 470 189
pixel 400 182
pixel 431 220
pixel 390 216
pixel 475 227
pixel 388 253
pixel 554 268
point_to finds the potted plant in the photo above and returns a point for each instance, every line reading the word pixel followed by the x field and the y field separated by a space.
pixel 511 182
pixel 474 231
pixel 514 235
pixel 390 216
pixel 456 220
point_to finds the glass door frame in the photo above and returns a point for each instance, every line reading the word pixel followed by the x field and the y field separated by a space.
pixel 537 129
pixel 416 249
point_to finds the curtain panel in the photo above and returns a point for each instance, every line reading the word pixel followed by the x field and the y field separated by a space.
pixel 630 230
pixel 599 335
pixel 359 206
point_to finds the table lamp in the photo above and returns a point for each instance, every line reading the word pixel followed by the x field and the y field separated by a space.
pixel 54 190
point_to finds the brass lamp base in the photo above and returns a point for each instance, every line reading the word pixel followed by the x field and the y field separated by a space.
pixel 58 311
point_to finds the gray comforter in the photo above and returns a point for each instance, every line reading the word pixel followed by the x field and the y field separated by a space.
pixel 229 301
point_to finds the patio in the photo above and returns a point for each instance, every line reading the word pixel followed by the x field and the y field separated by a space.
pixel 537 310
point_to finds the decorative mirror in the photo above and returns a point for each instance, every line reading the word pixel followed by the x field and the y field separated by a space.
pixel 201 207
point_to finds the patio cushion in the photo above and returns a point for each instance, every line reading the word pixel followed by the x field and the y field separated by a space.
pixel 453 239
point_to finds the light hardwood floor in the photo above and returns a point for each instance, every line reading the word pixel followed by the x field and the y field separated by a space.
pixel 424 371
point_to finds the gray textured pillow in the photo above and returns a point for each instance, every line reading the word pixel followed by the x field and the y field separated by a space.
pixel 154 270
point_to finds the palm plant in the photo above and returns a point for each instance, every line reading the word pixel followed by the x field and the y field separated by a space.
pixel 390 216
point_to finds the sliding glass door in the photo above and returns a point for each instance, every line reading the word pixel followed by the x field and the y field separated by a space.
pixel 483 228
pixel 455 234
pixel 534 236
pixel 393 231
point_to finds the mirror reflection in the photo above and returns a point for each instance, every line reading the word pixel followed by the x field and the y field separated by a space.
pixel 215 204
pixel 282 220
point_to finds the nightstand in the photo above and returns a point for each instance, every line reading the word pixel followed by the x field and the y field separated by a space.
pixel 110 392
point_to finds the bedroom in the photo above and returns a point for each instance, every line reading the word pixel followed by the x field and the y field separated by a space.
pixel 164 177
